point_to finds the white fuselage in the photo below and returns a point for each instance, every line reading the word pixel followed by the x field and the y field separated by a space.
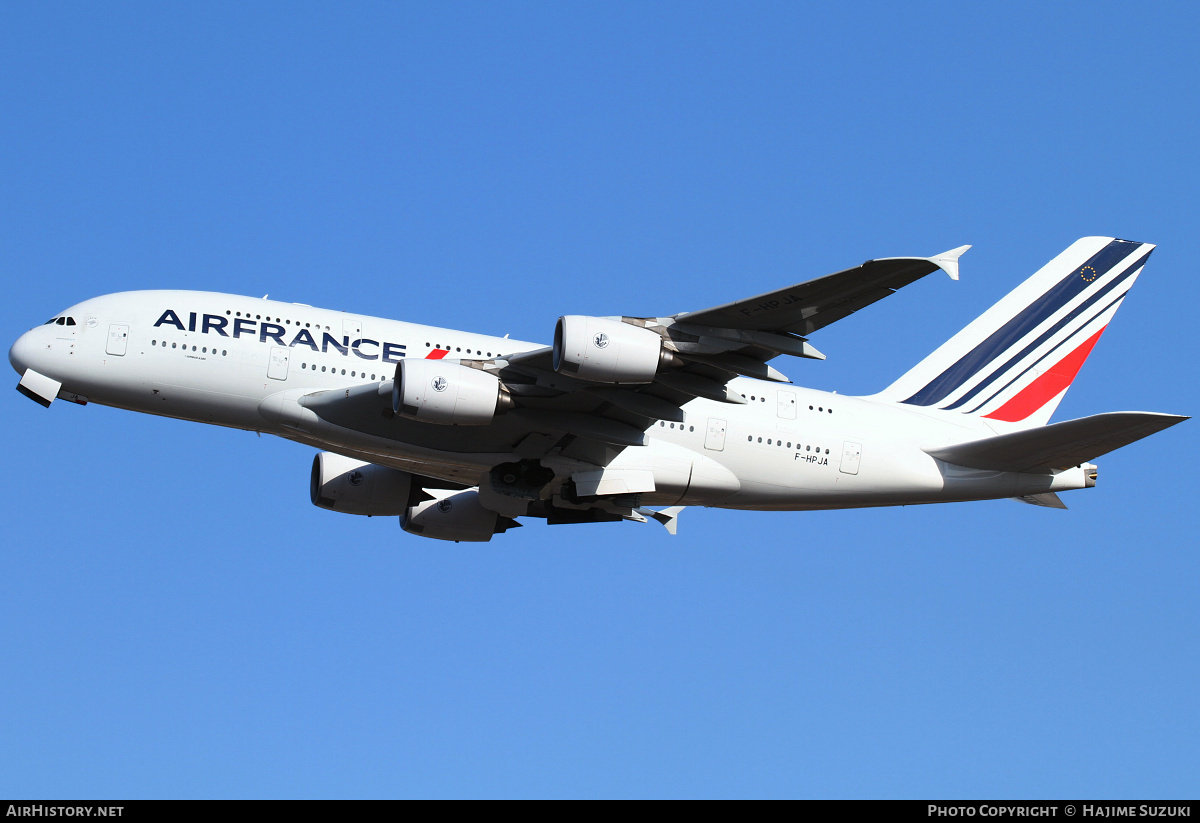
pixel 244 362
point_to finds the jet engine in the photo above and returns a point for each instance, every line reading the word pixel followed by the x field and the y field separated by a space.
pixel 605 350
pixel 434 391
pixel 343 484
pixel 457 516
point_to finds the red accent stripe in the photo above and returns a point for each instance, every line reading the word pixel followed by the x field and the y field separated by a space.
pixel 437 354
pixel 1047 386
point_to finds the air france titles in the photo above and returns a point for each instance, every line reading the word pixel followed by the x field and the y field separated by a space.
pixel 244 327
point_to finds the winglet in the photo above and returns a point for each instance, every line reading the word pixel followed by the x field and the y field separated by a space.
pixel 947 261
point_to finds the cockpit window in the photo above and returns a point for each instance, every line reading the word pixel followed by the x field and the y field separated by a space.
pixel 62 321
pixel 70 321
pixel 51 321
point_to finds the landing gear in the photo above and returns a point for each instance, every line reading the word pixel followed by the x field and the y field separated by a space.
pixel 524 480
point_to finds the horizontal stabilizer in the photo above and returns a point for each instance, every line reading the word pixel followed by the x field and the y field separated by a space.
pixel 1048 499
pixel 668 517
pixel 1057 446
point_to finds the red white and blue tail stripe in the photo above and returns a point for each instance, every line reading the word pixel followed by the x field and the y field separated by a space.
pixel 1015 362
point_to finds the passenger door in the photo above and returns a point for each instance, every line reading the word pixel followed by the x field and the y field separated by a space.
pixel 278 367
pixel 851 455
pixel 714 438
pixel 787 405
pixel 118 339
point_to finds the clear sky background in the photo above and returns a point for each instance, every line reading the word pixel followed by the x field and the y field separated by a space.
pixel 177 620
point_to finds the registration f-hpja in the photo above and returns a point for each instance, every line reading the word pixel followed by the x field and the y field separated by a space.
pixel 459 434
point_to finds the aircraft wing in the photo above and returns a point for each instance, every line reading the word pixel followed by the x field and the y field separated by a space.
pixel 806 307
pixel 552 407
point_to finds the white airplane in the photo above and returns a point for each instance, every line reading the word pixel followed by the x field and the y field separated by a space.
pixel 459 434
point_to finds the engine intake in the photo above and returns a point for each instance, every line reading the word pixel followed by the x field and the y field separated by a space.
pixel 343 484
pixel 604 350
pixel 434 391
pixel 460 517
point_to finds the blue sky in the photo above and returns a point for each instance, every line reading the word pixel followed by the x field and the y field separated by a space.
pixel 178 620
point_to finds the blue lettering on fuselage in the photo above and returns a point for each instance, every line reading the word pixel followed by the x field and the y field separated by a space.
pixel 273 331
pixel 392 352
pixel 328 340
pixel 214 322
pixel 304 339
pixel 244 327
pixel 170 318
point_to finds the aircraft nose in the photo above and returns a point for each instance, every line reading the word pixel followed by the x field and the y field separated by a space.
pixel 21 353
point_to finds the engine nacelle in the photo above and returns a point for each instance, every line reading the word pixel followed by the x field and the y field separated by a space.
pixel 459 516
pixel 343 484
pixel 434 391
pixel 605 350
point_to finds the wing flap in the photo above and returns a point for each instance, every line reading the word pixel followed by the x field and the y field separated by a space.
pixel 1057 446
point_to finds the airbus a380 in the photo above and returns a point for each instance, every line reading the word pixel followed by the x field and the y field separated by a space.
pixel 459 434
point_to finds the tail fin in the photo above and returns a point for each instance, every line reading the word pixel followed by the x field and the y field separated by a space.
pixel 1016 361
